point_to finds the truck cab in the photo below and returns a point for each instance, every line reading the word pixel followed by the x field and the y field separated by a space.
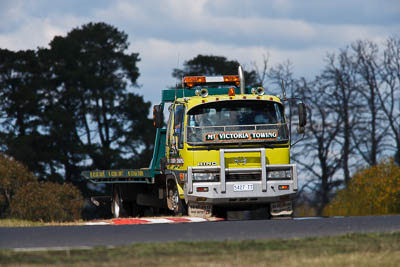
pixel 228 148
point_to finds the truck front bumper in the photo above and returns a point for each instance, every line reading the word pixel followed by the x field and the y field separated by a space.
pixel 231 197
pixel 227 193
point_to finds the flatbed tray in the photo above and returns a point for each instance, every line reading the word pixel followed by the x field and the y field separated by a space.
pixel 120 176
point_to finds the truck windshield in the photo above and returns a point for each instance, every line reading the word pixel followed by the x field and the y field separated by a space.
pixel 230 121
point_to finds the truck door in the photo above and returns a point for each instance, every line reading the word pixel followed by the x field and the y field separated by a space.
pixel 179 125
pixel 175 135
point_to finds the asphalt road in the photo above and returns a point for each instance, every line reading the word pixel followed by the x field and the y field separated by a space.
pixel 111 235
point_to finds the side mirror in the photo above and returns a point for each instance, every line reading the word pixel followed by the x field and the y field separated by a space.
pixel 158 116
pixel 302 114
pixel 302 117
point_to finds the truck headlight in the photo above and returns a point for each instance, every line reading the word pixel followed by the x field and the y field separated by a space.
pixel 204 176
pixel 280 175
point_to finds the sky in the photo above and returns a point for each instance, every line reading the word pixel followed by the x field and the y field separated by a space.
pixel 166 33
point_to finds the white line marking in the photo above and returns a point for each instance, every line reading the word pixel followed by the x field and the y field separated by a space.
pixel 307 218
pixel 97 223
pixel 196 219
pixel 157 220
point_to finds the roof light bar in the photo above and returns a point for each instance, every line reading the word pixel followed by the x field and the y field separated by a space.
pixel 231 78
pixel 190 81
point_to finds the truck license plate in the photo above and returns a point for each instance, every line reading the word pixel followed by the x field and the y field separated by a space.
pixel 243 187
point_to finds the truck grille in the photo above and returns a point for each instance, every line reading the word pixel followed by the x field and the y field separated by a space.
pixel 241 177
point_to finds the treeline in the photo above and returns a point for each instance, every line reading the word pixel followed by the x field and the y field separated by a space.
pixel 71 107
pixel 353 115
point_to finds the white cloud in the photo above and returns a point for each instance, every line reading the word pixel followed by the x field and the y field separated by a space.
pixel 26 31
pixel 160 57
pixel 38 32
pixel 187 21
pixel 160 31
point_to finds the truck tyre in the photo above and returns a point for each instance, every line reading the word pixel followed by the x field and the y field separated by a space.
pixel 116 203
pixel 178 207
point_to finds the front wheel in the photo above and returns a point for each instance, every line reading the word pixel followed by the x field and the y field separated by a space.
pixel 176 204
pixel 116 203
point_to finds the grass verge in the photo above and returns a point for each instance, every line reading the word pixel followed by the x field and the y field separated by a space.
pixel 19 223
pixel 372 249
pixel 25 223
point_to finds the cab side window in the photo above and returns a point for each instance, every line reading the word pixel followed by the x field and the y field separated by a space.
pixel 179 117
pixel 169 129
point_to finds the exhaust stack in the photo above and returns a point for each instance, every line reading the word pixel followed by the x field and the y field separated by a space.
pixel 242 81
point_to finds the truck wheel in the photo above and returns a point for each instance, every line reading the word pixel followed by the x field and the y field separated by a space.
pixel 178 206
pixel 116 203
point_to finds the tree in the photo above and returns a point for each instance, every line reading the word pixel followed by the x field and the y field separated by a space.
pixel 354 103
pixel 372 191
pixel 48 202
pixel 13 175
pixel 92 72
pixel 261 74
pixel 370 136
pixel 138 130
pixel 323 150
pixel 389 93
pixel 213 66
pixel 19 90
pixel 21 93
pixel 88 99
pixel 340 79
pixel 71 105
pixel 282 76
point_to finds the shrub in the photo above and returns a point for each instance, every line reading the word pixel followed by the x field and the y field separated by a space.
pixel 304 210
pixel 47 201
pixel 13 175
pixel 372 191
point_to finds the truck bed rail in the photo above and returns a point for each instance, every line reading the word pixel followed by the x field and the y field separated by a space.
pixel 144 175
pixel 122 176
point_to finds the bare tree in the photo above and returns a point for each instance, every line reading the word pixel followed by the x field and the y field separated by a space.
pixel 389 92
pixel 340 79
pixel 261 74
pixel 319 155
pixel 369 137
pixel 282 76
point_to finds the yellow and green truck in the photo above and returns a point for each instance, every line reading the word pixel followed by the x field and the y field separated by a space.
pixel 224 147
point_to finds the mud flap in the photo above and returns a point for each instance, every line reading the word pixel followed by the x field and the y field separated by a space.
pixel 284 208
pixel 200 210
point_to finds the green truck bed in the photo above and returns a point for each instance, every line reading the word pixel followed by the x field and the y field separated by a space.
pixel 144 175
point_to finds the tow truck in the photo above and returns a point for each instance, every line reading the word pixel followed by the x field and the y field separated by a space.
pixel 224 147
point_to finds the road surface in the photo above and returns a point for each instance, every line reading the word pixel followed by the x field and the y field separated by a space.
pixel 112 235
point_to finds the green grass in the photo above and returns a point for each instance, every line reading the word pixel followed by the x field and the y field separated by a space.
pixel 371 249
